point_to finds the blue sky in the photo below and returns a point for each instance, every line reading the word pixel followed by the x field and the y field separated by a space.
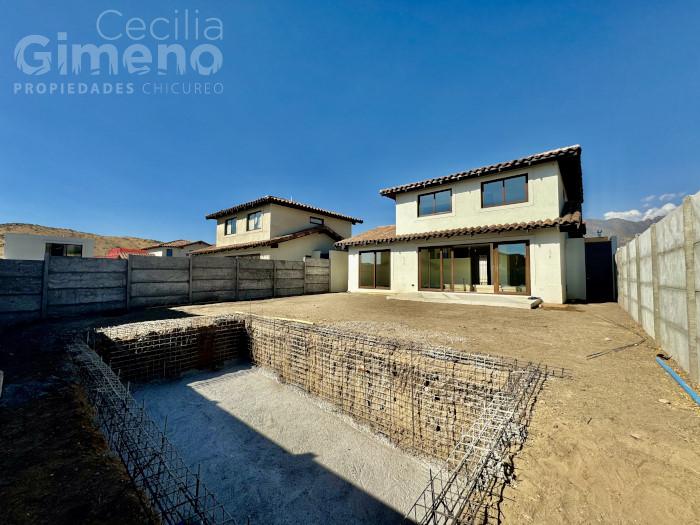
pixel 327 102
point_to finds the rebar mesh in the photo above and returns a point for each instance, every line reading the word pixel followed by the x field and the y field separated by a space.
pixel 467 410
pixel 161 349
pixel 175 491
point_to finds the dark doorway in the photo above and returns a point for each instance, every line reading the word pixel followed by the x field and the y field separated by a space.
pixel 600 271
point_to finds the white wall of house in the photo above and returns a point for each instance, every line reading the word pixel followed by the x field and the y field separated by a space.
pixel 33 247
pixel 177 252
pixel 277 221
pixel 339 270
pixel 576 269
pixel 547 262
pixel 289 220
pixel 294 250
pixel 242 235
pixel 546 198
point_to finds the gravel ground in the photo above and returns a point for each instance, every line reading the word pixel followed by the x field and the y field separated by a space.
pixel 276 455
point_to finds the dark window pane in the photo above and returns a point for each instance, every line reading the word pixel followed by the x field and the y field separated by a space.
pixel 230 227
pixel 424 256
pixel 462 268
pixel 169 252
pixel 383 269
pixel 316 220
pixel 56 250
pixel 367 269
pixel 255 221
pixel 435 268
pixel 74 250
pixel 443 201
pixel 516 189
pixel 512 267
pixel 492 193
pixel 426 204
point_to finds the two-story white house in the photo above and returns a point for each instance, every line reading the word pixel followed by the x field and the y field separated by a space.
pixel 509 228
pixel 276 228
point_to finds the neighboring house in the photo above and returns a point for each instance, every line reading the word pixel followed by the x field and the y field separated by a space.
pixel 28 246
pixel 123 253
pixel 508 228
pixel 179 248
pixel 277 228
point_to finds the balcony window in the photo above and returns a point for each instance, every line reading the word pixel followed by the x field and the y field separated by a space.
pixel 504 191
pixel 435 203
pixel 254 221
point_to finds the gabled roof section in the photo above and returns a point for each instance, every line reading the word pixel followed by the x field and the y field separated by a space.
pixel 179 243
pixel 270 242
pixel 569 158
pixel 270 199
pixel 570 219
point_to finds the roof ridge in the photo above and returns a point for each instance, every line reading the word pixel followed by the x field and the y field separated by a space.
pixel 272 199
pixel 543 156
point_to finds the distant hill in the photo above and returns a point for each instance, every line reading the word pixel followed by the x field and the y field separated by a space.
pixel 103 243
pixel 624 230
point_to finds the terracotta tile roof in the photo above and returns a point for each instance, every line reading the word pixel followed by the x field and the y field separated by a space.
pixel 270 199
pixel 123 253
pixel 269 242
pixel 180 243
pixel 568 152
pixel 571 217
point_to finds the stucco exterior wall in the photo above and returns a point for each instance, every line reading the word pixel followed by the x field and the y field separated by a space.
pixel 545 200
pixel 576 269
pixel 177 252
pixel 547 262
pixel 277 220
pixel 289 220
pixel 241 235
pixel 294 250
pixel 339 270
pixel 33 247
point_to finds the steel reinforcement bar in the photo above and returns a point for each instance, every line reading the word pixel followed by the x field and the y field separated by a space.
pixel 176 493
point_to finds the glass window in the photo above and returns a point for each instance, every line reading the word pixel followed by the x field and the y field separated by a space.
pixel 56 249
pixel 255 220
pixel 367 269
pixel 375 269
pixel 169 252
pixel 383 269
pixel 436 202
pixel 316 220
pixel 230 226
pixel 74 250
pixel 512 268
pixel 504 191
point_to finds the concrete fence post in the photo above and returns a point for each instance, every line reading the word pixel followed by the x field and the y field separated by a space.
pixel 655 284
pixel 274 278
pixel 639 279
pixel 691 306
pixel 238 295
pixel 128 282
pixel 304 292
pixel 189 285
pixel 45 285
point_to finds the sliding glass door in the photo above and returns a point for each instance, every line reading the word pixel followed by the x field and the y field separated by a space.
pixel 512 267
pixel 481 268
pixel 375 269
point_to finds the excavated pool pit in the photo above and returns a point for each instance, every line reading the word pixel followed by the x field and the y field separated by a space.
pixel 309 423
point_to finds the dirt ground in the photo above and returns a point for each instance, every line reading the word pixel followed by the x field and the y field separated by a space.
pixel 275 455
pixel 54 465
pixel 619 442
